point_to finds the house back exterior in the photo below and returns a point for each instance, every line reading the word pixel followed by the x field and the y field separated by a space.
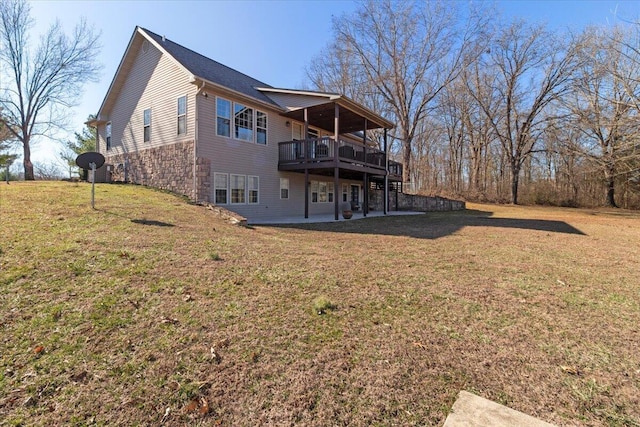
pixel 176 120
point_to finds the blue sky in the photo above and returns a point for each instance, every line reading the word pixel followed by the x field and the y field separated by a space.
pixel 271 40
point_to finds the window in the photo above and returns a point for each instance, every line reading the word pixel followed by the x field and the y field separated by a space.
pixel 261 128
pixel 254 189
pixel 223 108
pixel 182 115
pixel 284 188
pixel 243 122
pixel 147 124
pixel 345 192
pixel 238 188
pixel 107 134
pixel 322 192
pixel 220 184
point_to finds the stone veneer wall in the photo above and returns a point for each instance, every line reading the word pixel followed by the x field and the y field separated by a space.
pixel 413 202
pixel 169 167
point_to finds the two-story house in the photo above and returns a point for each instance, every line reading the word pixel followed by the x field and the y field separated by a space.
pixel 176 120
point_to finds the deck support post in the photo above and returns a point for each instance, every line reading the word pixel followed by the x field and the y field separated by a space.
pixel 386 174
pixel 306 193
pixel 336 169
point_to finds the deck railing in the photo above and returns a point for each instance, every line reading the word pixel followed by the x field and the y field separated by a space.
pixel 327 149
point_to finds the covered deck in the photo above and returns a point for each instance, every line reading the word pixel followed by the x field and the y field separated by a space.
pixel 337 155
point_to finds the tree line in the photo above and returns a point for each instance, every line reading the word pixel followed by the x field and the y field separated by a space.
pixel 495 111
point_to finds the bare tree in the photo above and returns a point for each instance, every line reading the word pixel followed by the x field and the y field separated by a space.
pixel 531 69
pixel 603 105
pixel 405 51
pixel 40 85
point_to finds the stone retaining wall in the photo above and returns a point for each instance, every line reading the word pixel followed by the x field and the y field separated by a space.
pixel 413 202
pixel 168 167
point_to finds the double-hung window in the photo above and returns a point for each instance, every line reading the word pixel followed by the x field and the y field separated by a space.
pixel 253 185
pixel 223 108
pixel 107 135
pixel 147 124
pixel 182 115
pixel 284 188
pixel 243 122
pixel 238 186
pixel 221 183
pixel 261 128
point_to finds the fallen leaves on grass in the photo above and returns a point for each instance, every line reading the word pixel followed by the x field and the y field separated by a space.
pixel 198 405
pixel 38 349
pixel 571 370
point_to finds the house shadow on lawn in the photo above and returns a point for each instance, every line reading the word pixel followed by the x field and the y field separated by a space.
pixel 152 222
pixel 434 225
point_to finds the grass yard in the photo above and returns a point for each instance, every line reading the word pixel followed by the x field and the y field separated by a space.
pixel 151 310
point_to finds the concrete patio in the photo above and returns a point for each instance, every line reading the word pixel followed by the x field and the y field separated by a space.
pixel 314 219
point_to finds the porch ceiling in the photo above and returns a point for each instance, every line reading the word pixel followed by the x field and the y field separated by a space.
pixel 322 116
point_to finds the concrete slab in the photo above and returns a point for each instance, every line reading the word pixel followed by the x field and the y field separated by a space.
pixel 314 219
pixel 475 411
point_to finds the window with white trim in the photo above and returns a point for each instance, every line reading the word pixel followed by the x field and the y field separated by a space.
pixel 147 124
pixel 314 191
pixel 107 135
pixel 284 188
pixel 221 183
pixel 223 114
pixel 243 122
pixel 345 192
pixel 253 185
pixel 322 192
pixel 261 128
pixel 182 115
pixel 238 188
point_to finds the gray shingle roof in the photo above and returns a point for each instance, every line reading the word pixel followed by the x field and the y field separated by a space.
pixel 211 70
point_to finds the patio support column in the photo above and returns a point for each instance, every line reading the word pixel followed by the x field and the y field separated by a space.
pixel 306 193
pixel 306 157
pixel 386 174
pixel 365 208
pixel 365 188
pixel 306 124
pixel 336 169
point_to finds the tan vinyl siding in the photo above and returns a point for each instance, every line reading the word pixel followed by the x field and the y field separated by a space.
pixel 154 81
pixel 238 157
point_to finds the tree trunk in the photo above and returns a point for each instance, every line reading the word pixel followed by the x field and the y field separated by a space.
pixel 406 160
pixel 28 166
pixel 515 181
pixel 611 201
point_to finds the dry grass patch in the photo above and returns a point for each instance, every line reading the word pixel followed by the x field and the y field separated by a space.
pixel 152 310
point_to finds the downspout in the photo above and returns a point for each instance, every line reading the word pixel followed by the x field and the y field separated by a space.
pixel 195 145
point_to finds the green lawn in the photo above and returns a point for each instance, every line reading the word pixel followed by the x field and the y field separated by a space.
pixel 150 309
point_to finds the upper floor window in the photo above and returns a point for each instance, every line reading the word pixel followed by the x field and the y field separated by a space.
pixel 247 124
pixel 107 134
pixel 182 115
pixel 243 122
pixel 261 128
pixel 223 108
pixel 147 124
